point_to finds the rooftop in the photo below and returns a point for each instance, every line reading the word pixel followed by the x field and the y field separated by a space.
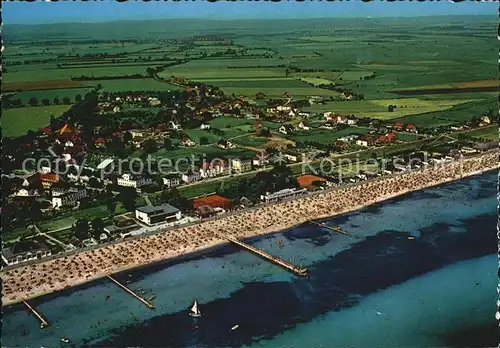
pixel 163 208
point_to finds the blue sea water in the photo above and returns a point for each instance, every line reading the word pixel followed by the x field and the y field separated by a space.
pixel 376 288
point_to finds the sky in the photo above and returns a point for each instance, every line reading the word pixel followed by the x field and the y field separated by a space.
pixel 19 12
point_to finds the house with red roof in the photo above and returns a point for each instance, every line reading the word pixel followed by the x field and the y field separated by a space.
pixel 388 138
pixel 391 137
pixel 49 179
pixel 411 128
pixel 398 126
pixel 100 143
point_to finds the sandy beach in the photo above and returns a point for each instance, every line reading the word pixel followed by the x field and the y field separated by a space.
pixel 34 280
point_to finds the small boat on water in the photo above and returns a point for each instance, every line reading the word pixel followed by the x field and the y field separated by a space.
pixel 195 310
pixel 235 327
pixel 411 238
pixel 65 340
pixel 152 297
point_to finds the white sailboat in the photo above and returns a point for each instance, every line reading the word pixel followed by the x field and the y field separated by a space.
pixel 195 310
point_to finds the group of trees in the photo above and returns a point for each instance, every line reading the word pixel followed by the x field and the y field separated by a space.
pixel 278 178
pixel 84 229
pixel 33 101
pixel 174 198
pixel 112 77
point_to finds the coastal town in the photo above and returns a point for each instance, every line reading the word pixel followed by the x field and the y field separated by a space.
pixel 72 164
pixel 175 153
pixel 166 167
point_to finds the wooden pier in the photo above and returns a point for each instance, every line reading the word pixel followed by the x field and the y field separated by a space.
pixel 44 323
pixel 147 303
pixel 290 267
pixel 335 229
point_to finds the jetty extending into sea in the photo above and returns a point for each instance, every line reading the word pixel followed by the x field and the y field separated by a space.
pixel 300 271
pixel 43 323
pixel 147 303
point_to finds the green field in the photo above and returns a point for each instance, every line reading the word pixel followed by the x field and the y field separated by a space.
pixel 50 94
pixel 196 134
pixel 490 133
pixel 16 122
pixel 134 85
pixel 378 108
pixel 41 72
pixel 325 136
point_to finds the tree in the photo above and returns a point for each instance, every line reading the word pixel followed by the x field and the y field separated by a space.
pixel 97 227
pixel 94 182
pixel 149 146
pixel 81 229
pixel 66 101
pixel 78 98
pixel 33 101
pixel 150 71
pixel 56 101
pixel 203 140
pixel 265 132
pixel 45 101
pixel 173 197
pixel 128 197
pixel 167 143
pixel 127 138
pixel 391 108
pixel 111 206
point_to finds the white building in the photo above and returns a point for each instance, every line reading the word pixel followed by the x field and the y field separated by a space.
pixel 205 126
pixel 210 170
pixel 284 108
pixel 136 133
pixel 260 160
pixel 362 142
pixel 151 214
pixel 283 194
pixel 240 165
pixel 69 198
pixel 128 180
pixel 154 101
pixel 172 180
pixel 11 256
pixel 351 120
pixel 191 176
pixel 351 137
pixel 302 126
pixel 174 126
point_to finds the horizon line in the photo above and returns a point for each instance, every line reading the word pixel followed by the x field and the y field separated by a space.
pixel 98 21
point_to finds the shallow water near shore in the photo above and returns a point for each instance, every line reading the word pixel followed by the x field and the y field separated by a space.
pixel 376 288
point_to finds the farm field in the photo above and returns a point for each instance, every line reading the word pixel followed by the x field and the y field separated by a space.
pixel 196 134
pixel 490 133
pixel 42 85
pixel 43 73
pixel 325 136
pixel 200 73
pixel 134 85
pixel 15 122
pixel 378 108
pixel 50 94
pixel 252 141
pixel 467 84
pixel 455 115
pixel 210 151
